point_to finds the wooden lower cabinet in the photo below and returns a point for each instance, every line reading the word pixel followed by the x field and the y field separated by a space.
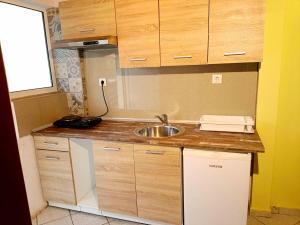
pixel 115 180
pixel 158 183
pixel 56 176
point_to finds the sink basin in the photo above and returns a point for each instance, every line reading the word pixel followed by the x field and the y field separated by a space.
pixel 159 131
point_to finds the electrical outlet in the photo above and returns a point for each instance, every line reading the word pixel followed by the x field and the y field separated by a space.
pixel 217 79
pixel 104 80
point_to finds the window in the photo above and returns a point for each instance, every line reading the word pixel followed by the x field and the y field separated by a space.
pixel 24 46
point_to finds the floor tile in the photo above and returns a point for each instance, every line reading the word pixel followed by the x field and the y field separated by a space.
pixel 72 212
pixel 121 222
pixel 253 221
pixel 88 219
pixel 63 221
pixel 278 219
pixel 52 213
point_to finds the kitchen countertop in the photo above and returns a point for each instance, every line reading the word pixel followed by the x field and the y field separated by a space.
pixel 191 138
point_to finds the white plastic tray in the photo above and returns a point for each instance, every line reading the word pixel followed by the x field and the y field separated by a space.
pixel 241 124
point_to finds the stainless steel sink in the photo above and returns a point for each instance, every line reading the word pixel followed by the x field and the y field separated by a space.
pixel 159 131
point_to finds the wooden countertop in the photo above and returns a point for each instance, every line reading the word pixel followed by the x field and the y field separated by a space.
pixel 191 138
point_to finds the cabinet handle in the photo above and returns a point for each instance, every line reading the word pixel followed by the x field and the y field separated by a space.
pixel 51 142
pixel 86 30
pixel 234 53
pixel 52 158
pixel 111 149
pixel 138 59
pixel 155 152
pixel 183 57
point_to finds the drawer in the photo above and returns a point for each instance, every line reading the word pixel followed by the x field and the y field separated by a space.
pixel 56 176
pixel 114 148
pixel 52 143
pixel 157 155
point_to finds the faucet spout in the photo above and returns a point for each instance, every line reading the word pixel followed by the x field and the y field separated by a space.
pixel 164 119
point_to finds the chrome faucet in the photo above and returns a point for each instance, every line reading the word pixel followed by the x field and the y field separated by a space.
pixel 164 119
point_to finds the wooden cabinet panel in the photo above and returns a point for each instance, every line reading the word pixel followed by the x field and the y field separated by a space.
pixel 236 31
pixel 56 176
pixel 115 179
pixel 51 143
pixel 183 32
pixel 88 18
pixel 158 183
pixel 138 33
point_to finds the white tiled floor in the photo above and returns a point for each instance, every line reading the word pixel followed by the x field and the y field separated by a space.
pixel 57 216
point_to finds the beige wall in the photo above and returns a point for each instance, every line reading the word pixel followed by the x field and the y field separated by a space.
pixel 184 93
pixel 37 111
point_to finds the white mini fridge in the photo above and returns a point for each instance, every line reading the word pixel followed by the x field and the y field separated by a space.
pixel 216 187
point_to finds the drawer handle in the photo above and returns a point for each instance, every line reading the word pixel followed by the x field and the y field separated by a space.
pixel 51 142
pixel 154 152
pixel 111 149
pixel 86 30
pixel 234 53
pixel 52 158
pixel 138 59
pixel 183 57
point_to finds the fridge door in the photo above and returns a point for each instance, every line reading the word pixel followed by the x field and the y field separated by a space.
pixel 216 187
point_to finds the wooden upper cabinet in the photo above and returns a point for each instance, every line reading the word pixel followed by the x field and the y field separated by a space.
pixel 115 179
pixel 87 19
pixel 236 31
pixel 138 33
pixel 158 183
pixel 183 32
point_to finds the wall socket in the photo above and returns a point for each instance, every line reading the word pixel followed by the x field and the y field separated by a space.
pixel 217 79
pixel 102 79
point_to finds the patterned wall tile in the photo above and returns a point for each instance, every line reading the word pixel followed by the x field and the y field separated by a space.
pixel 75 85
pixel 54 24
pixel 75 102
pixel 61 70
pixel 63 85
pixel 73 69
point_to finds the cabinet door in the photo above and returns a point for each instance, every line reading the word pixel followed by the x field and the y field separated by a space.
pixel 138 33
pixel 115 180
pixel 158 183
pixel 236 31
pixel 87 19
pixel 56 176
pixel 183 32
pixel 51 143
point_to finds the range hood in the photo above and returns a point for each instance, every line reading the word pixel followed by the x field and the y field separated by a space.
pixel 106 42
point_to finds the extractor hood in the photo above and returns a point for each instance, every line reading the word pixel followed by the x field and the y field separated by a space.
pixel 106 42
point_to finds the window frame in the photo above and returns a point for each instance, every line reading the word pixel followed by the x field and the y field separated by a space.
pixel 37 91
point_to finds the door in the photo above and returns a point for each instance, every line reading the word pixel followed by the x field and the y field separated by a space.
pixel 183 32
pixel 158 183
pixel 115 180
pixel 87 19
pixel 236 31
pixel 138 33
pixel 14 199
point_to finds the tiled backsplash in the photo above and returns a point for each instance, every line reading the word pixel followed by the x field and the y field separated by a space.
pixel 68 70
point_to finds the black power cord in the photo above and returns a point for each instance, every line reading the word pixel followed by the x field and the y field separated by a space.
pixel 103 94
